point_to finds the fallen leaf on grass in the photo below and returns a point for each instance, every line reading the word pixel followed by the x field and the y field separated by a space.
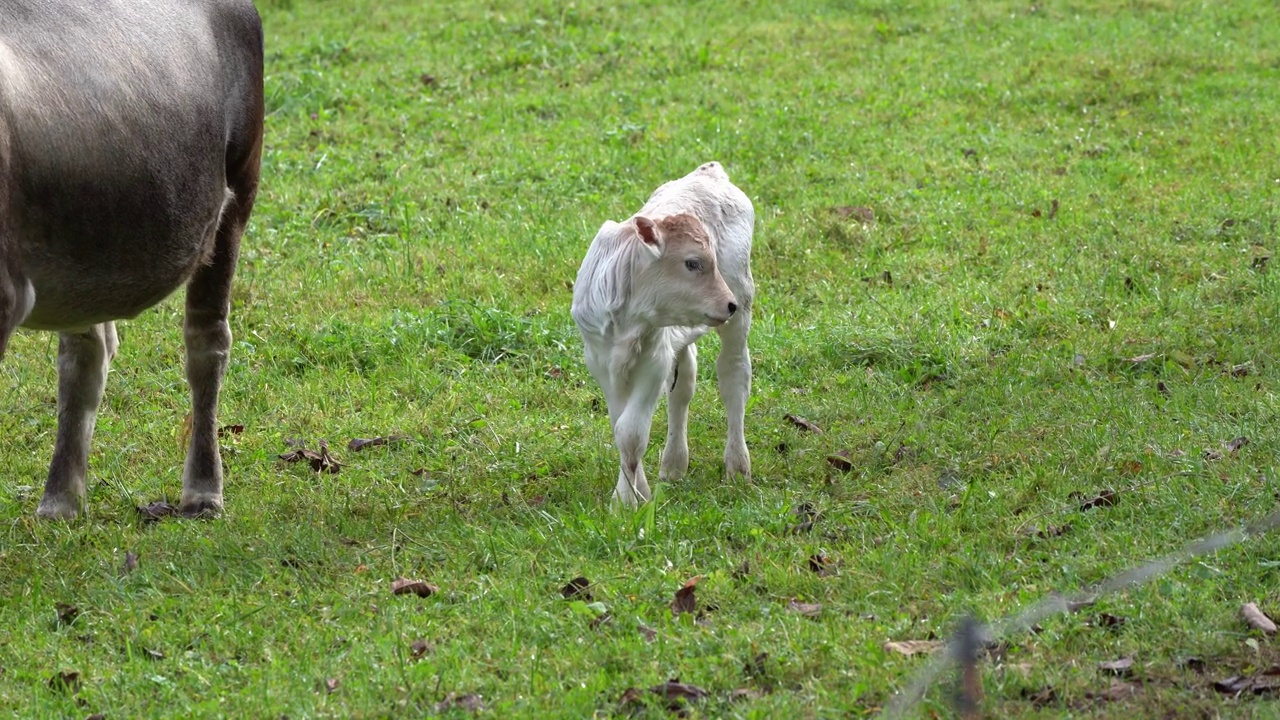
pixel 1263 683
pixel 418 649
pixel 330 685
pixel 807 516
pixel 226 430
pixel 1212 455
pixel 809 610
pixel 471 702
pixel 152 654
pixel 649 633
pixel 841 461
pixel 685 601
pixel 861 213
pixel 1043 697
pixel 1194 664
pixel 156 511
pixel 427 79
pixel 1257 619
pixel 821 564
pixel 1053 209
pixel 1122 667
pixel 67 613
pixel 405 586
pixel 130 562
pixel 745 694
pixel 803 424
pixel 1049 531
pixel 577 589
pixel 675 693
pixel 358 444
pixel 754 668
pixel 673 689
pixel 1119 690
pixel 1139 359
pixel 913 647
pixel 1107 620
pixel 67 681
pixel 1234 445
pixel 320 461
pixel 1106 498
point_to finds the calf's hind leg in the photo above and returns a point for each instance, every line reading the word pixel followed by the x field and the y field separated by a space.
pixel 83 360
pixel 733 372
pixel 675 454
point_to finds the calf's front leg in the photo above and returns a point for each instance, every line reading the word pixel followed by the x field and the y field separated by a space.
pixel 631 435
pixel 83 360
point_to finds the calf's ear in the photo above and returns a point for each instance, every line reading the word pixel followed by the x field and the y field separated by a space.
pixel 648 232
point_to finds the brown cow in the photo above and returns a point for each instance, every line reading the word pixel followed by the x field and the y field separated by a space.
pixel 130 141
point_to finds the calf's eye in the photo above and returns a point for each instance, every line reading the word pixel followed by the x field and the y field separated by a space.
pixel 693 265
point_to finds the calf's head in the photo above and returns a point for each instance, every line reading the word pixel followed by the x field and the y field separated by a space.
pixel 681 285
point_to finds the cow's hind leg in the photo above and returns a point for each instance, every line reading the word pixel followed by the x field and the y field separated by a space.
pixel 83 359
pixel 733 371
pixel 675 454
pixel 208 339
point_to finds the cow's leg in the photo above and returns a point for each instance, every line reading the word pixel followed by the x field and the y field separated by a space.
pixel 83 359
pixel 675 454
pixel 733 371
pixel 208 340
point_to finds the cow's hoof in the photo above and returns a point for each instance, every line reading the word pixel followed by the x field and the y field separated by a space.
pixel 58 508
pixel 201 506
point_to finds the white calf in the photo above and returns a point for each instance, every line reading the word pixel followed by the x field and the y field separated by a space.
pixel 647 290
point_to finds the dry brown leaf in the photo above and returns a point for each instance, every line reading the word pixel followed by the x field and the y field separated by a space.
pixel 673 689
pixel 1141 358
pixel 649 633
pixel 321 461
pixel 157 510
pixel 577 589
pixel 809 610
pixel 358 444
pixel 405 586
pixel 419 649
pixel 130 561
pixel 330 685
pixel 685 600
pixel 1122 667
pixel 67 681
pixel 1257 619
pixel 226 430
pixel 913 647
pixel 67 613
pixel 821 564
pixel 1106 498
pixel 803 424
pixel 1235 444
pixel 1119 690
pixel 841 461
pixel 471 702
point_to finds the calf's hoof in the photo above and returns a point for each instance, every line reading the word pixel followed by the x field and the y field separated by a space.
pixel 674 464
pixel 59 507
pixel 201 505
pixel 737 465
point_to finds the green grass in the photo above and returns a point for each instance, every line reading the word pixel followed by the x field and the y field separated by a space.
pixel 432 177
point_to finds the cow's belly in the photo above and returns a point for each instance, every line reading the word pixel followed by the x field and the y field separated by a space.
pixel 84 274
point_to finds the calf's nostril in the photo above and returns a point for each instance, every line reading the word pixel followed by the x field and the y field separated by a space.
pixel 733 308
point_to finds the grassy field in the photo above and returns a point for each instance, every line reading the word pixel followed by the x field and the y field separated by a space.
pixel 1008 256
